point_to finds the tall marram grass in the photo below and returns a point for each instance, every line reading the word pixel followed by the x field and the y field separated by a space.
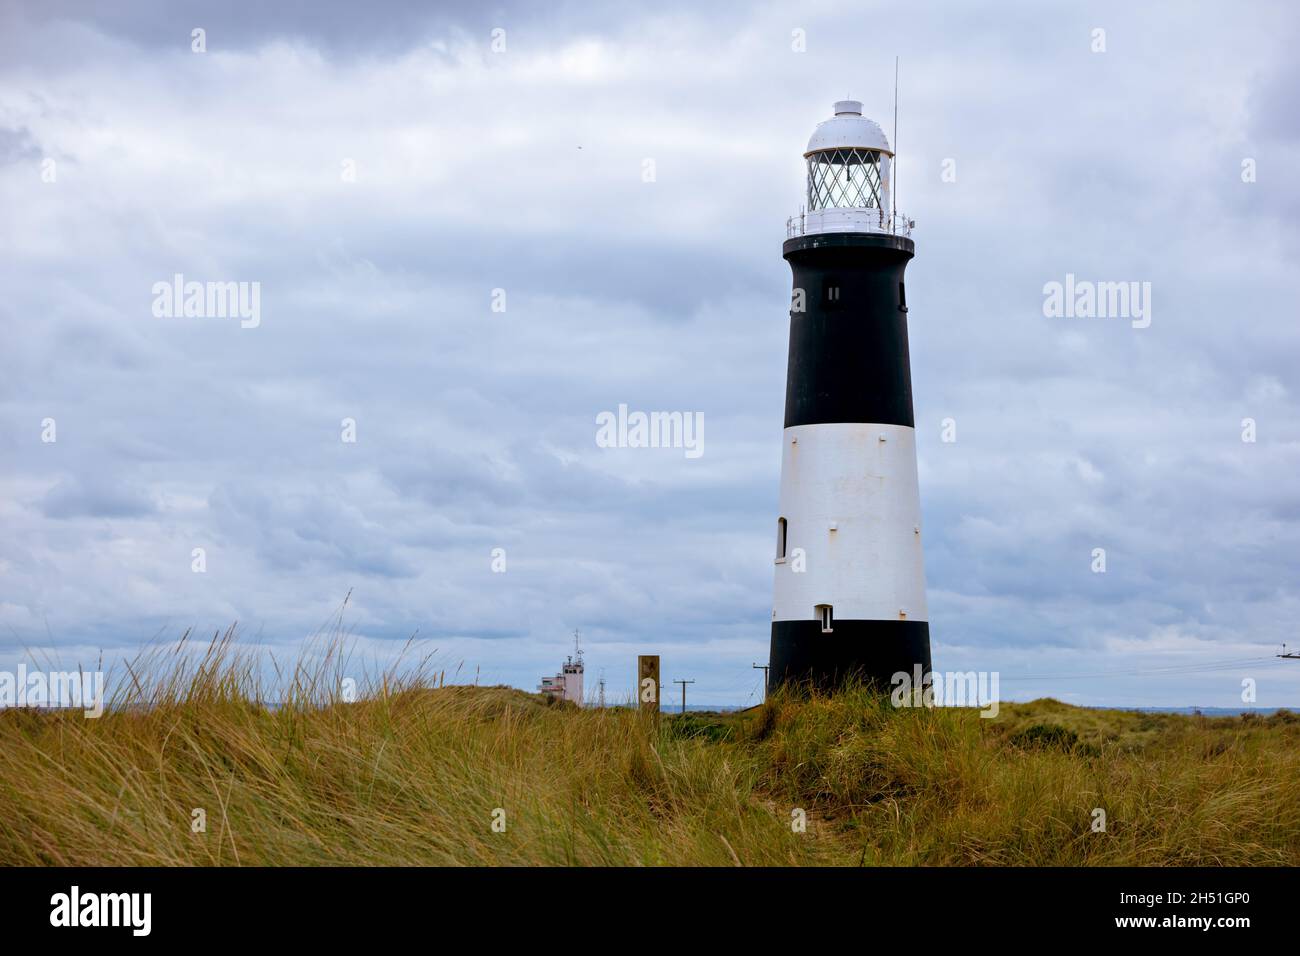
pixel 946 786
pixel 412 773
pixel 409 773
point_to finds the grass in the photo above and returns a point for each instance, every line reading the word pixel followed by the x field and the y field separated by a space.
pixel 413 773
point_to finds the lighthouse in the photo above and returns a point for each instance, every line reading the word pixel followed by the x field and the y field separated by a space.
pixel 849 592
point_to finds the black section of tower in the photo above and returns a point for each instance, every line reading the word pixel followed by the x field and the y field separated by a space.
pixel 804 656
pixel 848 330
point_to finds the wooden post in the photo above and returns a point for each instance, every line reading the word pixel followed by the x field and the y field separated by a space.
pixel 647 683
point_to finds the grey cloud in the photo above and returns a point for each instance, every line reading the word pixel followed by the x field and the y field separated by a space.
pixel 16 146
pixel 298 532
pixel 96 497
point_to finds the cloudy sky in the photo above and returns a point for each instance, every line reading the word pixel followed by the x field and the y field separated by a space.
pixel 381 169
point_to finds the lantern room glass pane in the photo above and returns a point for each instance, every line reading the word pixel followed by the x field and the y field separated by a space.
pixel 844 178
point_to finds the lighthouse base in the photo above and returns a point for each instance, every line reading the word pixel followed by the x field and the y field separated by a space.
pixel 805 657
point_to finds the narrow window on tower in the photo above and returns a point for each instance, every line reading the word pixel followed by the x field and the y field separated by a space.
pixel 902 298
pixel 831 292
pixel 780 539
pixel 827 616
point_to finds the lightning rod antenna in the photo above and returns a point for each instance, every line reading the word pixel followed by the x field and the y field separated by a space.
pixel 893 212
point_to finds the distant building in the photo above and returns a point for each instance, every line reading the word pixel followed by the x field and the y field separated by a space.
pixel 566 685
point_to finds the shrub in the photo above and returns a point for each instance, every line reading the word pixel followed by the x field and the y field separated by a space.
pixel 1046 737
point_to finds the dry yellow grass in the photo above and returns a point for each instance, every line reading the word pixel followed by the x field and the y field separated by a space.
pixel 410 774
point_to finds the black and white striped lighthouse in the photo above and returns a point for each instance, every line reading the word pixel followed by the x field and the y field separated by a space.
pixel 850 581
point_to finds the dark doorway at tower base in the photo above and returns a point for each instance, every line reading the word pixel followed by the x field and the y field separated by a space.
pixel 804 657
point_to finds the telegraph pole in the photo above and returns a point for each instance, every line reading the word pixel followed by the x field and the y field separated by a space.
pixel 683 683
pixel 764 668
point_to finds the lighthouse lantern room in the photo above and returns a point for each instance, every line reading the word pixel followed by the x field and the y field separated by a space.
pixel 849 161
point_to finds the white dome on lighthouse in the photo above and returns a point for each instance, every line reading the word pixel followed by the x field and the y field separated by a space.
pixel 848 128
pixel 849 162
